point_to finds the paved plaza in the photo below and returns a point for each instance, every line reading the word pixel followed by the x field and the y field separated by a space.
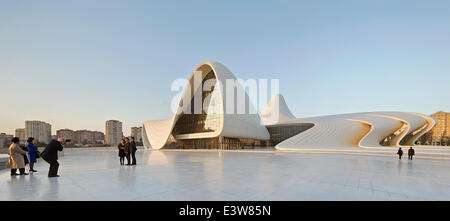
pixel 95 174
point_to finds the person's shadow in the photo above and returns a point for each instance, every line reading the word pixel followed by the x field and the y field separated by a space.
pixel 34 186
pixel 410 167
pixel 52 193
pixel 14 185
pixel 127 177
pixel 399 166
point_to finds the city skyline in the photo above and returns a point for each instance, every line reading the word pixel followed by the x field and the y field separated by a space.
pixel 23 134
pixel 76 66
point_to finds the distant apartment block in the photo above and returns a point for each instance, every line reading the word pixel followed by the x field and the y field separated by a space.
pixel 136 132
pixel 39 130
pixel 85 137
pixel 66 134
pixel 5 140
pixel 441 132
pixel 99 137
pixel 114 134
pixel 20 133
pixel 81 136
pixel 89 137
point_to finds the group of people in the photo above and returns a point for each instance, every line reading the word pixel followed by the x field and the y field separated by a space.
pixel 127 149
pixel 19 156
pixel 411 153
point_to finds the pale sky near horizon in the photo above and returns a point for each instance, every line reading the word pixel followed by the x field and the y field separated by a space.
pixel 76 64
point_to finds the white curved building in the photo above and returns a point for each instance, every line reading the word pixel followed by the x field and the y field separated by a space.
pixel 212 129
pixel 214 126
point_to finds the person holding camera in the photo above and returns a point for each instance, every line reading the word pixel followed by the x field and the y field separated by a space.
pixel 50 155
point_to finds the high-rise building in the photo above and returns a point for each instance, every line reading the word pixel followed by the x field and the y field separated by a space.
pixel 114 134
pixel 5 140
pixel 136 132
pixel 20 133
pixel 440 132
pixel 39 130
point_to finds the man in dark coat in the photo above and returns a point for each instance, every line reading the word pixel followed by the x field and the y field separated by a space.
pixel 133 150
pixel 400 153
pixel 50 155
pixel 411 153
pixel 127 149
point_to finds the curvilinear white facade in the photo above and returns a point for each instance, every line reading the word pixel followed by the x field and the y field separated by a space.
pixel 215 128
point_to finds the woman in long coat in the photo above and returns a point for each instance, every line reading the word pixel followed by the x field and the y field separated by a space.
pixel 16 160
pixel 32 153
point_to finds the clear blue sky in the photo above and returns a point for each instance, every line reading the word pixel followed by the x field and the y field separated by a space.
pixel 78 63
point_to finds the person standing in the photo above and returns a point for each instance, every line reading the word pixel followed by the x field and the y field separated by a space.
pixel 16 160
pixel 133 150
pixel 127 150
pixel 32 153
pixel 50 154
pixel 400 153
pixel 122 152
pixel 411 153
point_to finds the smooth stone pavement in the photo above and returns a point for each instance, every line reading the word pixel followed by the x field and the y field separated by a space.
pixel 95 174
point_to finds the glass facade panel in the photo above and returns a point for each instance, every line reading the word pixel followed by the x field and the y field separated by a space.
pixel 279 134
pixel 242 143
pixel 214 143
pixel 210 118
pixel 205 143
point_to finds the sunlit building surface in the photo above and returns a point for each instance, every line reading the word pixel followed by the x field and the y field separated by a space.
pixel 215 128
pixel 440 134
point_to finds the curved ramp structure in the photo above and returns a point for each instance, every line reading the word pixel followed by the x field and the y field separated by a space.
pixel 347 130
pixel 415 135
pixel 381 127
pixel 327 134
